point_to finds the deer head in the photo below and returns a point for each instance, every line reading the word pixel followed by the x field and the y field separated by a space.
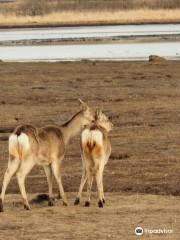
pixel 103 121
pixel 87 112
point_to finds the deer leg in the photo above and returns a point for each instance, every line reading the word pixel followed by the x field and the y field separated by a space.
pixel 103 198
pixel 102 187
pixel 13 165
pixel 56 168
pixel 25 168
pixel 99 173
pixel 83 181
pixel 89 186
pixel 48 172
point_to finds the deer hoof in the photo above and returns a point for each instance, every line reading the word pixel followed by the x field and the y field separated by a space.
pixel 26 207
pixel 77 201
pixel 103 200
pixel 100 204
pixel 1 206
pixel 87 204
pixel 65 204
pixel 59 196
pixel 51 202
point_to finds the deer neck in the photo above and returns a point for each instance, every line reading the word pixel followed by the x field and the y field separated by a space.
pixel 72 127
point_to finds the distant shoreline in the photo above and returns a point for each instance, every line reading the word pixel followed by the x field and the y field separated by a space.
pixel 91 18
pixel 50 25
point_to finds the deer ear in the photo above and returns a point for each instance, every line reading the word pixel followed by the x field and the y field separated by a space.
pixel 97 114
pixel 83 104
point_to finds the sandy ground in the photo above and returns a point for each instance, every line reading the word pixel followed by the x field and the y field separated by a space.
pixel 122 214
pixel 142 177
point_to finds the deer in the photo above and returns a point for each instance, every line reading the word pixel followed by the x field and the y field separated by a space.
pixel 95 151
pixel 45 146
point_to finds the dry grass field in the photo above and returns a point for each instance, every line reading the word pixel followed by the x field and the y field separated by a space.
pixel 75 12
pixel 118 220
pixel 93 17
pixel 142 178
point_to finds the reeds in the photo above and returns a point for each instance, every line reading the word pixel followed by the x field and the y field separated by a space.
pixel 28 12
pixel 93 17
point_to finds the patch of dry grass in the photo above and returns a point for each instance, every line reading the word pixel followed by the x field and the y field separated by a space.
pixel 92 17
pixel 34 7
pixel 122 214
pixel 32 12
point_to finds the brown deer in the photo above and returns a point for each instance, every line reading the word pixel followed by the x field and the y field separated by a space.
pixel 95 151
pixel 29 145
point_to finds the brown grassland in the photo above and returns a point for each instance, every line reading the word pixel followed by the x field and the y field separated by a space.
pixel 80 12
pixel 93 17
pixel 142 178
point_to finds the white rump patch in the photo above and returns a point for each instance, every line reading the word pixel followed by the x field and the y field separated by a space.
pixel 13 142
pixel 23 140
pixel 92 136
pixel 18 143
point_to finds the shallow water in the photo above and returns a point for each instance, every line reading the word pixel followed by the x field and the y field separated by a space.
pixel 88 31
pixel 132 51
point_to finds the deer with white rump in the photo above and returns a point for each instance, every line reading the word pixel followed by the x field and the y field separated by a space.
pixel 95 151
pixel 29 145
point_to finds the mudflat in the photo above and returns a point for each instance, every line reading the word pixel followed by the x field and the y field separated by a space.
pixel 142 178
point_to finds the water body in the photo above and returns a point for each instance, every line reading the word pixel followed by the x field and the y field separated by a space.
pixel 132 51
pixel 89 32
